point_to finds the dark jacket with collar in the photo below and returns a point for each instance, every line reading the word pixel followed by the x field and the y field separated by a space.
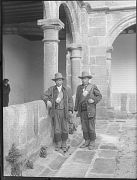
pixel 94 94
pixel 51 95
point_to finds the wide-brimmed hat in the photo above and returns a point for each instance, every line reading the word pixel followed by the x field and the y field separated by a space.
pixel 58 76
pixel 5 80
pixel 85 74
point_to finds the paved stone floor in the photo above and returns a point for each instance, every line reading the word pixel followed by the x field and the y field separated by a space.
pixel 114 155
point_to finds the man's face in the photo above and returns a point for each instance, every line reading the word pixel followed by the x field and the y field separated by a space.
pixel 59 82
pixel 6 83
pixel 85 81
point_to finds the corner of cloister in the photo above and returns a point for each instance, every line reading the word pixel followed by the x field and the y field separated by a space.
pixel 42 38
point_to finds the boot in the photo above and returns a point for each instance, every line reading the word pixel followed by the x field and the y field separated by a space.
pixel 58 146
pixel 91 145
pixel 86 143
pixel 64 146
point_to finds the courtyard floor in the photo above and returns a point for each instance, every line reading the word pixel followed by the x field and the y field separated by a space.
pixel 114 156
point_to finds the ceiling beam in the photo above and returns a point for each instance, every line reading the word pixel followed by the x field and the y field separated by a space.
pixel 28 30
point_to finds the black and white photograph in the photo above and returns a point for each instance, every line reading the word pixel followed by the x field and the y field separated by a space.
pixel 69 89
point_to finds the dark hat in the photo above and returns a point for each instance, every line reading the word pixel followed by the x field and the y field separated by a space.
pixel 58 76
pixel 5 80
pixel 85 74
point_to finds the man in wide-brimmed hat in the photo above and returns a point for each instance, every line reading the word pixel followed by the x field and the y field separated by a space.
pixel 59 101
pixel 6 91
pixel 87 96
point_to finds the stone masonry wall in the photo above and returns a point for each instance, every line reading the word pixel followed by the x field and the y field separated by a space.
pixel 97 51
pixel 28 126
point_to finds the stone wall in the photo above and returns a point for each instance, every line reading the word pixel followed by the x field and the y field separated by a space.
pixel 97 50
pixel 124 102
pixel 28 126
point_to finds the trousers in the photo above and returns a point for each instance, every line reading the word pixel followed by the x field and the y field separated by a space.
pixel 60 126
pixel 88 126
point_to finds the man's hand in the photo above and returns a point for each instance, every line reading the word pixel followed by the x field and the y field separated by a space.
pixel 49 104
pixel 70 112
pixel 58 100
pixel 90 101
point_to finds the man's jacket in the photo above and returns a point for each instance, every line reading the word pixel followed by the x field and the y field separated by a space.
pixel 51 95
pixel 94 94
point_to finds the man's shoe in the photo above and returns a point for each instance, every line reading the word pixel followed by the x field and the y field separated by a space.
pixel 91 145
pixel 86 143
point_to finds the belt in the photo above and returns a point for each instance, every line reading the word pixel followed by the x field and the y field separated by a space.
pixel 59 108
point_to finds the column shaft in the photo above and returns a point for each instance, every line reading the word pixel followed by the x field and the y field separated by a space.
pixel 109 89
pixel 50 28
pixel 75 66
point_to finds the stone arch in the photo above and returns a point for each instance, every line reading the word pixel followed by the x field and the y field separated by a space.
pixel 70 9
pixel 49 9
pixel 112 35
pixel 119 27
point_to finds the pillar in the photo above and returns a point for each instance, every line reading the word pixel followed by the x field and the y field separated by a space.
pixel 108 64
pixel 75 57
pixel 68 69
pixel 50 28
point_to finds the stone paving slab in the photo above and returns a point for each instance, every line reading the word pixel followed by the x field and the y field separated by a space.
pixel 47 173
pixel 73 170
pixel 47 160
pixel 105 153
pixel 33 172
pixel 76 141
pixel 102 165
pixel 56 163
pixel 108 146
pixel 83 156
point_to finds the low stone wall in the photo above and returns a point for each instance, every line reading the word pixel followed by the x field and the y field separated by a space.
pixel 28 126
pixel 124 102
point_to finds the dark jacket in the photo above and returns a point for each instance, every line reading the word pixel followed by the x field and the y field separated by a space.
pixel 6 91
pixel 94 93
pixel 51 95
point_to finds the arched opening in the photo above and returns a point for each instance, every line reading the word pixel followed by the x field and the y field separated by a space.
pixel 66 38
pixel 123 71
pixel 23 49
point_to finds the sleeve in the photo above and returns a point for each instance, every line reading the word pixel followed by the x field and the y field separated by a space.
pixel 97 95
pixel 70 100
pixel 47 96
pixel 6 90
pixel 77 100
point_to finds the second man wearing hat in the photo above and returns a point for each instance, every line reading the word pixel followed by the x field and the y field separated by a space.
pixel 87 96
pixel 59 100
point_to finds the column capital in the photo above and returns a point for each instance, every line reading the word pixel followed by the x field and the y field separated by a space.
pixel 50 23
pixel 75 50
pixel 74 47
pixel 50 28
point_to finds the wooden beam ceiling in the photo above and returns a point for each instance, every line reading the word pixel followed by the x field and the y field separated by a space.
pixel 21 11
pixel 20 17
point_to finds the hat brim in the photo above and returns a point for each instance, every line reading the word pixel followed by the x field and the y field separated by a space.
pixel 82 77
pixel 57 79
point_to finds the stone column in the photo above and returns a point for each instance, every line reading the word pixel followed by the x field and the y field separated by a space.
pixel 68 69
pixel 75 51
pixel 108 64
pixel 50 28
